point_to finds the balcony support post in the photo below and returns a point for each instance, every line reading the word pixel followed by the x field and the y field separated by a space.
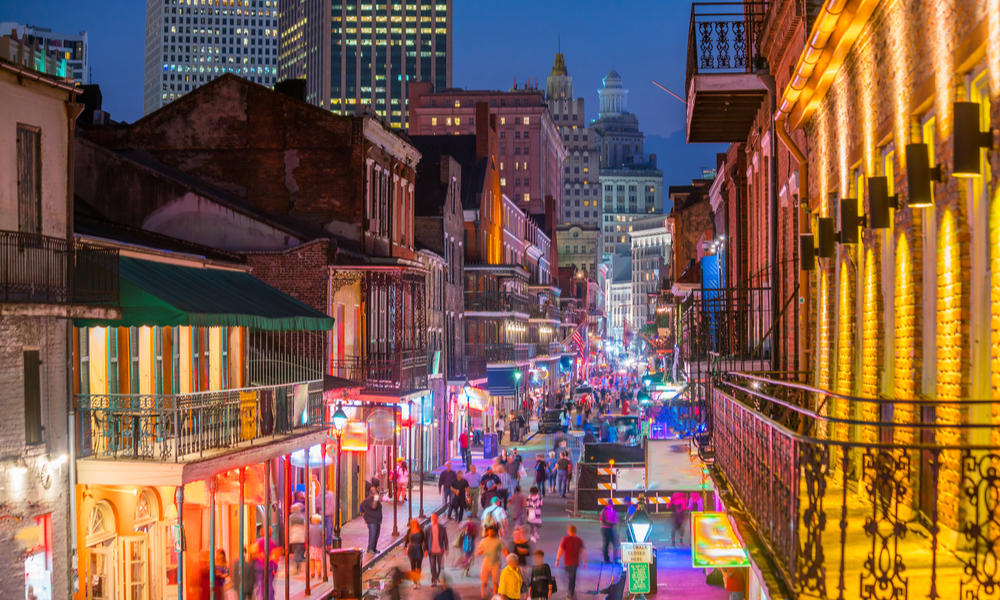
pixel 242 538
pixel 267 522
pixel 212 486
pixel 322 486
pixel 422 425
pixel 395 455
pixel 287 511
pixel 179 503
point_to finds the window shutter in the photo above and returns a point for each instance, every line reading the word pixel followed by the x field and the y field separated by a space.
pixel 29 179
pixel 32 398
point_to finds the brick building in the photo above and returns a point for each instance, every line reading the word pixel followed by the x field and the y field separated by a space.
pixel 873 174
pixel 530 148
pixel 321 205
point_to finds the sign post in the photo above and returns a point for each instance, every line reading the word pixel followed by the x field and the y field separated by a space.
pixel 638 558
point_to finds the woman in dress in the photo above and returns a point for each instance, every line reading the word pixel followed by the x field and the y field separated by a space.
pixel 416 548
pixel 402 479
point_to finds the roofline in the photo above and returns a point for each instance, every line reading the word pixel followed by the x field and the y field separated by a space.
pixel 39 77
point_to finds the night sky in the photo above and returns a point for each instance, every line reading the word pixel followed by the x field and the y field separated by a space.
pixel 494 43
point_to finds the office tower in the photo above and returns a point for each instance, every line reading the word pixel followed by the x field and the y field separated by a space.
pixel 368 55
pixel 582 162
pixel 74 47
pixel 191 42
pixel 616 130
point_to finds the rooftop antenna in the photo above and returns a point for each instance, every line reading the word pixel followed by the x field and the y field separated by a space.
pixel 559 42
pixel 669 92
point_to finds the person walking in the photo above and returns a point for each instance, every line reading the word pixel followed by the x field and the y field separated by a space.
pixel 248 578
pixel 316 546
pixel 437 547
pixel 463 446
pixel 475 482
pixel 329 509
pixel 416 549
pixel 495 517
pixel 444 485
pixel 499 430
pixel 490 548
pixel 467 534
pixel 550 466
pixel 541 584
pixel 541 473
pixel 402 479
pixel 460 497
pixel 573 553
pixel 562 473
pixel 516 508
pixel 371 512
pixel 609 524
pixel 297 536
pixel 510 580
pixel 533 511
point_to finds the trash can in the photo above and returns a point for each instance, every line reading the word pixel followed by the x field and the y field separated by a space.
pixel 490 446
pixel 345 572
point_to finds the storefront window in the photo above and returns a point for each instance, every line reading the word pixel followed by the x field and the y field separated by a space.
pixel 38 562
pixel 101 535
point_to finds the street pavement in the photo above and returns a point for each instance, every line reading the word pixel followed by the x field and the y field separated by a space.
pixel 677 579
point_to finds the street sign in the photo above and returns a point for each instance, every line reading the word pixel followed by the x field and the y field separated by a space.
pixel 638 578
pixel 637 553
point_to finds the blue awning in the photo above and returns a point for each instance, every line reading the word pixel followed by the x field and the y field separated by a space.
pixel 501 380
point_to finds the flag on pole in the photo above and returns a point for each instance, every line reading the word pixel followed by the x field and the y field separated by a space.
pixel 627 334
pixel 578 338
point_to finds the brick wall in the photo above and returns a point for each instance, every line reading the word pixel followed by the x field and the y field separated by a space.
pixel 301 272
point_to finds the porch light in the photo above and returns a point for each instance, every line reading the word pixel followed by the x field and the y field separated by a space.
pixel 968 140
pixel 517 375
pixel 807 251
pixel 640 525
pixel 339 420
pixel 826 238
pixel 879 202
pixel 849 221
pixel 919 175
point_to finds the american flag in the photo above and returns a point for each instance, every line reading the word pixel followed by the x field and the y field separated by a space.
pixel 578 338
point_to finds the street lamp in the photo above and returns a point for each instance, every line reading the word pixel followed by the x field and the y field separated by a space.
pixel 639 524
pixel 339 422
pixel 467 388
pixel 517 395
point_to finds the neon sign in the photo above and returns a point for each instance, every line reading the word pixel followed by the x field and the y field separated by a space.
pixel 714 542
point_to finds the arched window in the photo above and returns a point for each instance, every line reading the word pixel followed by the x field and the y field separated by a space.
pixel 101 527
pixel 146 512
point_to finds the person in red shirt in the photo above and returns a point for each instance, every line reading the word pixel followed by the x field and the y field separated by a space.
pixel 571 547
pixel 463 446
pixel 735 583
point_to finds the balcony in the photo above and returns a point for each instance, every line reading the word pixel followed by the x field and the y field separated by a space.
pixel 546 349
pixel 397 373
pixel 495 302
pixel 723 92
pixel 500 353
pixel 467 367
pixel 183 427
pixel 549 312
pixel 37 269
pixel 888 495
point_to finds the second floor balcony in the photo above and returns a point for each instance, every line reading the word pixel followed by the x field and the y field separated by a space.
pixel 496 302
pixel 722 89
pixel 37 269
pixel 187 427
pixel 467 367
pixel 396 373
pixel 501 353
pixel 852 495
pixel 546 312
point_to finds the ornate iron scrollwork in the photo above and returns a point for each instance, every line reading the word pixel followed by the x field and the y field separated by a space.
pixel 705 44
pixel 722 44
pixel 884 480
pixel 981 488
pixel 814 461
pixel 343 278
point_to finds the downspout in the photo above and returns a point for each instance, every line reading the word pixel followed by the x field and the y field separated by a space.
pixel 768 80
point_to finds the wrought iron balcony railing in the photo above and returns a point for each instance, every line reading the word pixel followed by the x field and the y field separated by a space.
pixel 500 302
pixel 41 269
pixel 724 37
pixel 403 371
pixel 177 427
pixel 550 312
pixel 467 367
pixel 862 497
pixel 500 353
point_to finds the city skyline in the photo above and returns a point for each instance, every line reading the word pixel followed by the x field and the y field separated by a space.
pixel 639 52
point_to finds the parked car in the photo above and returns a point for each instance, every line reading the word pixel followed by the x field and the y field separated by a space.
pixel 550 421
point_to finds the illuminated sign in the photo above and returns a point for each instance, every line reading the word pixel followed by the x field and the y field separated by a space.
pixel 639 553
pixel 638 578
pixel 714 542
pixel 355 437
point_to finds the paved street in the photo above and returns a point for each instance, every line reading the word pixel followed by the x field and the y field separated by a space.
pixel 676 578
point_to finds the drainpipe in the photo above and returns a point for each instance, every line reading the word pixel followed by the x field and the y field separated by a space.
pixel 802 217
pixel 768 80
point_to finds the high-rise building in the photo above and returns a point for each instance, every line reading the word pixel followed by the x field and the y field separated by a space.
pixel 616 131
pixel 352 53
pixel 582 160
pixel 631 192
pixel 531 152
pixel 73 47
pixel 651 254
pixel 188 45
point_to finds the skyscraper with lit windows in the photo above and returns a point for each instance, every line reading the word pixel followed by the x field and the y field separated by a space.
pixel 369 54
pixel 191 42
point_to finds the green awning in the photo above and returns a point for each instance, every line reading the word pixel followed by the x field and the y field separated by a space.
pixel 155 293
